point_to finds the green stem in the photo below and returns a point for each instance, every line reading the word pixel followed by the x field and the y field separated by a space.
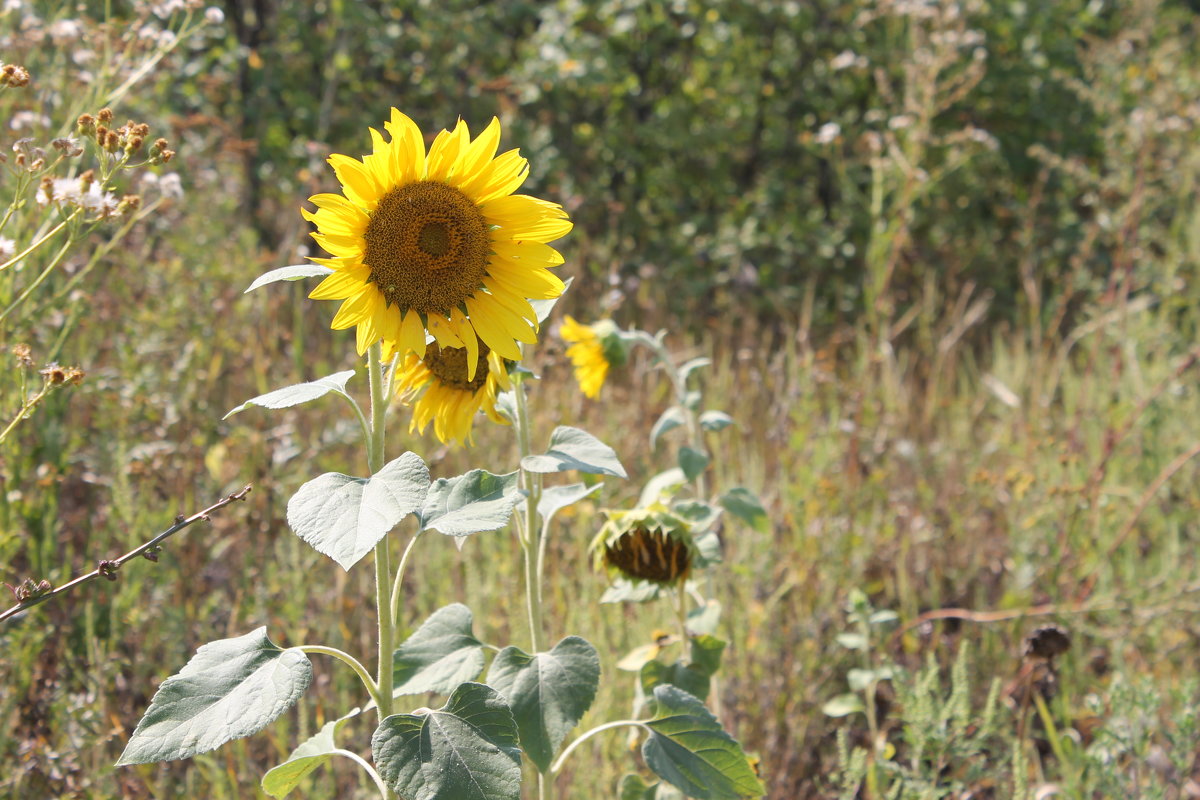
pixel 681 612
pixel 353 662
pixel 41 241
pixel 356 758
pixel 530 535
pixel 54 262
pixel 557 765
pixel 399 582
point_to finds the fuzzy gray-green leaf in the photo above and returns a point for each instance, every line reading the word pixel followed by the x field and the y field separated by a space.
pixel 466 750
pixel 312 753
pixel 669 420
pixel 556 498
pixel 345 517
pixel 470 503
pixel 294 272
pixel 440 655
pixel 548 692
pixel 745 505
pixel 229 689
pixel 689 749
pixel 575 449
pixel 298 393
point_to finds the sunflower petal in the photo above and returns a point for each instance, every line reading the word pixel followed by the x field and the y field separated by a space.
pixel 487 318
pixel 353 310
pixel 527 255
pixel 478 153
pixel 356 180
pixel 443 155
pixel 342 284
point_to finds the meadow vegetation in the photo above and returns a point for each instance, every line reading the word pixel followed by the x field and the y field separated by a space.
pixel 942 255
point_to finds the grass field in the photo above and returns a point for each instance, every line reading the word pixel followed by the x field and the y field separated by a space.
pixel 992 450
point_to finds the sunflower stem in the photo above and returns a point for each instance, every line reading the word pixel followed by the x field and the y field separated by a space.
pixel 530 535
pixel 383 557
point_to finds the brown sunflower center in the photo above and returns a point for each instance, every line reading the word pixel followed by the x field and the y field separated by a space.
pixel 449 366
pixel 652 555
pixel 427 246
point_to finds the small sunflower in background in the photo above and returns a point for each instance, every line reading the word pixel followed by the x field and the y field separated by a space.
pixel 593 349
pixel 437 242
pixel 650 544
pixel 445 388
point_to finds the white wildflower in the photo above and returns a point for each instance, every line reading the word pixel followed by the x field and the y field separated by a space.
pixel 214 15
pixel 900 122
pixel 847 59
pixel 96 199
pixel 828 133
pixel 65 30
pixel 7 247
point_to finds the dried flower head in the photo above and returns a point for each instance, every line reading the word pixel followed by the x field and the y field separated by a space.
pixel 14 76
pixel 105 115
pixel 23 353
pixel 649 544
pixel 57 375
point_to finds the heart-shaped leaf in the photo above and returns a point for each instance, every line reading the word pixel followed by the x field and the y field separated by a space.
pixel 293 273
pixel 312 753
pixel 556 498
pixel 345 517
pixel 472 503
pixel 571 448
pixel 746 506
pixel 466 750
pixel 298 393
pixel 692 462
pixel 694 675
pixel 440 655
pixel 229 689
pixel 548 692
pixel 689 749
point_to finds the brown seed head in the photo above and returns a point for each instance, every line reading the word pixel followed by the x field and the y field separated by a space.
pixel 129 204
pixel 105 115
pixel 54 374
pixel 86 179
pixel 85 125
pixel 23 354
pixel 14 76
pixel 134 144
pixel 112 142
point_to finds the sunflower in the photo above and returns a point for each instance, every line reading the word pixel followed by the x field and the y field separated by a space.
pixel 439 389
pixel 647 544
pixel 594 348
pixel 437 242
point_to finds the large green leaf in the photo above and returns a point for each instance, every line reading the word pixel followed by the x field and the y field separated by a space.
pixel 466 750
pixel 548 692
pixel 471 503
pixel 440 655
pixel 298 393
pixel 692 461
pixel 345 517
pixel 312 753
pixel 293 273
pixel 231 688
pixel 689 749
pixel 574 449
pixel 746 506
pixel 634 787
pixel 556 498
pixel 694 675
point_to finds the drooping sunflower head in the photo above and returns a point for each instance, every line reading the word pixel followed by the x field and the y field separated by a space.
pixel 444 390
pixel 593 349
pixel 436 242
pixel 649 544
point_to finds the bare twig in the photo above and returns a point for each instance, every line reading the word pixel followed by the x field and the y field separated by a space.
pixel 108 567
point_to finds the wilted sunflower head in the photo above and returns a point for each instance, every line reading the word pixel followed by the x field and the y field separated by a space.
pixel 650 544
pixel 436 242
pixel 448 386
pixel 593 349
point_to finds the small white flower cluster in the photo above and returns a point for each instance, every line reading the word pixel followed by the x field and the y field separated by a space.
pixel 828 133
pixel 847 59
pixel 71 192
pixel 169 185
pixel 7 247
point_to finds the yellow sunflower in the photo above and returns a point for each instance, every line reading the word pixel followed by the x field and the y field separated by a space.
pixel 593 349
pixel 437 242
pixel 439 389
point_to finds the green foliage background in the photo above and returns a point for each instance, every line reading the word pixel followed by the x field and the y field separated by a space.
pixel 956 335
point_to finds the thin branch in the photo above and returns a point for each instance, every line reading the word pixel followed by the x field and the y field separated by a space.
pixel 108 568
